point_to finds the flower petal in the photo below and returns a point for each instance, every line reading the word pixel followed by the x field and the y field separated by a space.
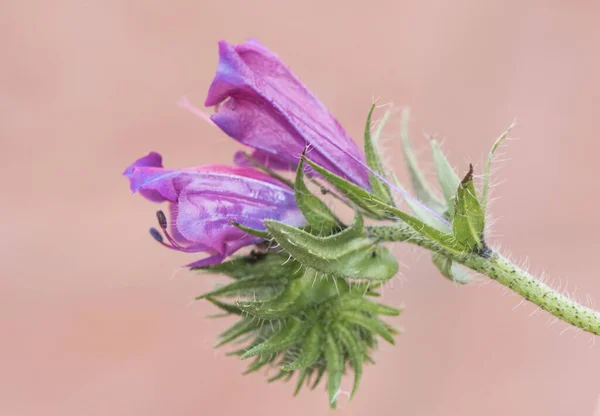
pixel 264 158
pixel 205 200
pixel 269 109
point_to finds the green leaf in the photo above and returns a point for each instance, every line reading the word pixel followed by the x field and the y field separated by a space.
pixel 242 327
pixel 423 214
pixel 259 363
pixel 335 367
pixel 448 179
pixel 311 349
pixel 362 198
pixel 355 353
pixel 231 309
pixel 488 166
pixel 469 221
pixel 315 211
pixel 373 156
pixel 286 375
pixel 447 241
pixel 251 231
pixel 281 340
pixel 357 303
pixel 320 372
pixel 245 286
pixel 421 187
pixel 368 323
pixel 289 302
pixel 348 253
pixel 300 381
pixel 261 266
pixel 451 270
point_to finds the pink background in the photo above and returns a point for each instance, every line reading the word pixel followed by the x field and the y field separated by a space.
pixel 97 319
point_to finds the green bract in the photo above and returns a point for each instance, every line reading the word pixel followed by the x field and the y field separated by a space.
pixel 349 253
pixel 469 222
pixel 300 321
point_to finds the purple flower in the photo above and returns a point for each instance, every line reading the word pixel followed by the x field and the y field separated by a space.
pixel 203 200
pixel 266 107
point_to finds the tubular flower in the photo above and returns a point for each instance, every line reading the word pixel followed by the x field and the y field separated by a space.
pixel 204 200
pixel 264 106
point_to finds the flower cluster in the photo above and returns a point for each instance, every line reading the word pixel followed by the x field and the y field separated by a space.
pixel 318 321
pixel 264 106
pixel 303 293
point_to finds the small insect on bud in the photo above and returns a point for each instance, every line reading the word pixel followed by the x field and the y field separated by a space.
pixel 162 219
pixel 156 234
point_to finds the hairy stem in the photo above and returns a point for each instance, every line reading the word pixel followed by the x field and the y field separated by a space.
pixel 506 273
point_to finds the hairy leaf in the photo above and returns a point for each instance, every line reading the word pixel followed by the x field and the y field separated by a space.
pixel 420 185
pixel 312 347
pixel 355 353
pixel 368 323
pixel 335 367
pixel 362 198
pixel 447 177
pixel 447 241
pixel 315 211
pixel 366 305
pixel 289 302
pixel 258 265
pixel 281 340
pixel 346 254
pixel 469 221
pixel 373 156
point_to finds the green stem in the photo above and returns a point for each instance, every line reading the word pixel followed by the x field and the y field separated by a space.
pixel 506 273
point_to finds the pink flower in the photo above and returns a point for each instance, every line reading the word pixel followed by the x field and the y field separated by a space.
pixel 204 200
pixel 264 106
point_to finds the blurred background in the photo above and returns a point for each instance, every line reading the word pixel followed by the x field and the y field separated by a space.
pixel 98 319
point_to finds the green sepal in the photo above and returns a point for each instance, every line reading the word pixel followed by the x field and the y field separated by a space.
pixel 252 231
pixel 469 220
pixel 261 266
pixel 355 354
pixel 312 347
pixel 227 307
pixel 320 371
pixel 301 378
pixel 447 177
pixel 348 254
pixel 281 340
pixel 285 375
pixel 259 363
pixel 242 327
pixel 370 324
pixel 289 302
pixel 335 367
pixel 421 187
pixel 359 303
pixel 373 157
pixel 315 211
pixel 450 269
pixel 245 287
pixel 362 198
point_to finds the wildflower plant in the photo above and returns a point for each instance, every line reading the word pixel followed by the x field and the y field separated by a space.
pixel 305 290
